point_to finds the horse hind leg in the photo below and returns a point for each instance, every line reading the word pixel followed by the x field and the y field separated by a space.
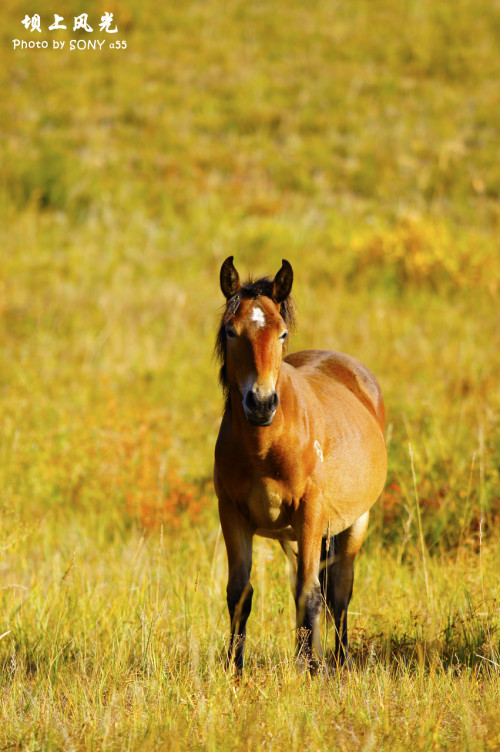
pixel 291 551
pixel 337 577
pixel 336 580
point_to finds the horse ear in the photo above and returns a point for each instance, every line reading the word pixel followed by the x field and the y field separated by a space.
pixel 283 282
pixel 229 278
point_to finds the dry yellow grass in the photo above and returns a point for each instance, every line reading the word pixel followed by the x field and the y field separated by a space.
pixel 359 141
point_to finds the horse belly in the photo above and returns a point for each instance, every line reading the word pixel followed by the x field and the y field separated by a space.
pixel 353 480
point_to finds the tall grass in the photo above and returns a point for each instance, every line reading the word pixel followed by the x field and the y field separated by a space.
pixel 110 648
pixel 359 141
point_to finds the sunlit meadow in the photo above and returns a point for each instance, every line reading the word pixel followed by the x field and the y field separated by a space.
pixel 360 141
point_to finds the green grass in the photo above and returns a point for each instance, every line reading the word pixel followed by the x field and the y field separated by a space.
pixel 359 141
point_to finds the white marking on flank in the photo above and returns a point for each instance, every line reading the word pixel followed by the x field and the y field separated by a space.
pixel 319 451
pixel 258 316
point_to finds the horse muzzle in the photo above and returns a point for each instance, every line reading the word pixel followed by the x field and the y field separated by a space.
pixel 260 410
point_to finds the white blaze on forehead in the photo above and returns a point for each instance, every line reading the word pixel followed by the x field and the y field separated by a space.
pixel 258 316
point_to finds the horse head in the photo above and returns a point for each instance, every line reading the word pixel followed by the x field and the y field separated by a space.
pixel 253 337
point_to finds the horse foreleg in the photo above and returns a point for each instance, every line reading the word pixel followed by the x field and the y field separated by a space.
pixel 238 538
pixel 337 579
pixel 308 593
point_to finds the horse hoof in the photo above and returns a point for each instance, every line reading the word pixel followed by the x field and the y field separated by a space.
pixel 313 667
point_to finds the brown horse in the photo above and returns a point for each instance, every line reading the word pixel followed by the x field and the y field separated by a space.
pixel 300 457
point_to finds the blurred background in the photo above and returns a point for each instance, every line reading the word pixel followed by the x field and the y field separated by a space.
pixel 359 141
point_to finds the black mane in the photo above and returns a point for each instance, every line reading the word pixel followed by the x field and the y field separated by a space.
pixel 250 291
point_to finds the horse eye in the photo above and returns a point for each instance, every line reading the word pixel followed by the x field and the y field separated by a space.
pixel 230 333
pixel 283 336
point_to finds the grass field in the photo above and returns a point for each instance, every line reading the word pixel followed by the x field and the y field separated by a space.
pixel 360 141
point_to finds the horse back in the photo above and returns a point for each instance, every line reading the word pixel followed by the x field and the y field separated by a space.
pixel 346 370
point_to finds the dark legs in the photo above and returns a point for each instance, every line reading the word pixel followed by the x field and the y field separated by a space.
pixel 239 602
pixel 336 578
pixel 319 569
pixel 238 537
pixel 308 604
pixel 304 559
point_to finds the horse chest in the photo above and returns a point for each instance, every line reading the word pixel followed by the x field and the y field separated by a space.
pixel 265 505
pixel 265 487
pixel 261 497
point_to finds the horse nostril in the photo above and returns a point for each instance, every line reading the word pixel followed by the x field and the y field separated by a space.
pixel 251 400
pixel 256 403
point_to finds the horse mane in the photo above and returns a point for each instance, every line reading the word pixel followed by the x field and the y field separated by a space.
pixel 251 290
